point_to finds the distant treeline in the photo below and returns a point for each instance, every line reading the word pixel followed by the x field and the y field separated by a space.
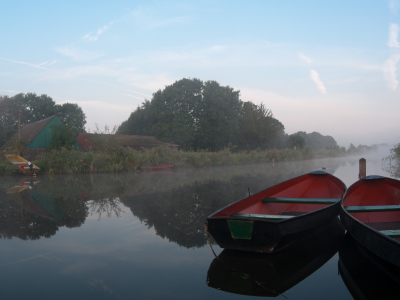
pixel 195 114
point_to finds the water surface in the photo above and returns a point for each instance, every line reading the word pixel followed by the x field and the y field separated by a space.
pixel 141 235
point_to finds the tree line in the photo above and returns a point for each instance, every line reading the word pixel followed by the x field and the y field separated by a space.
pixel 35 108
pixel 192 113
pixel 204 115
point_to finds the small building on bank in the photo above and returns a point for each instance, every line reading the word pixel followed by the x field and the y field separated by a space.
pixel 38 137
pixel 137 142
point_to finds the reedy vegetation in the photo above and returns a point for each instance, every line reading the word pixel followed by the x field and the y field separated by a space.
pixel 119 160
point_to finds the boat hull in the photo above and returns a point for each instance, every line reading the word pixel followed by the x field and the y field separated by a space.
pixel 366 275
pixel 272 236
pixel 269 236
pixel 381 245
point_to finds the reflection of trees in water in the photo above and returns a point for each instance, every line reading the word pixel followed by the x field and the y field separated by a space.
pixel 175 205
pixel 179 215
pixel 26 226
pixel 22 217
pixel 106 206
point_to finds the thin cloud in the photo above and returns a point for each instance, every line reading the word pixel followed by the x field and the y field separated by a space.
pixel 141 98
pixel 305 58
pixel 393 6
pixel 39 66
pixel 147 17
pixel 99 32
pixel 79 54
pixel 315 77
pixel 11 91
pixel 393 34
pixel 138 93
pixel 103 105
pixel 390 69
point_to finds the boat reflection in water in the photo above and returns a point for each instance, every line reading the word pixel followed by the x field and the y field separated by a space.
pixel 366 275
pixel 270 275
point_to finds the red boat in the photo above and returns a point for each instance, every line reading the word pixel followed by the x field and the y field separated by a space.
pixel 370 212
pixel 168 166
pixel 274 218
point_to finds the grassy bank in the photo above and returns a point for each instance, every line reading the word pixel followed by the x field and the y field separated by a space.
pixel 7 168
pixel 120 160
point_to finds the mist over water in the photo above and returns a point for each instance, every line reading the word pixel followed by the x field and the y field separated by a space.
pixel 141 235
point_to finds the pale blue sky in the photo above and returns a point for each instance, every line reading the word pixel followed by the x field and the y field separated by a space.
pixel 330 67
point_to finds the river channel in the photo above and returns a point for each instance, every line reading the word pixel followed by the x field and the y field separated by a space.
pixel 141 236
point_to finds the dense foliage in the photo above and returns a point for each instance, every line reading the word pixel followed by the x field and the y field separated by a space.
pixel 203 115
pixel 295 141
pixel 64 137
pixel 392 162
pixel 317 141
pixel 35 108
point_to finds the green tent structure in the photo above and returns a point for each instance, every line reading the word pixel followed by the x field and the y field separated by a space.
pixel 38 136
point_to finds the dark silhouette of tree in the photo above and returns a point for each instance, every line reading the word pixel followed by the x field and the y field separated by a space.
pixel 203 115
pixel 72 116
pixel 317 141
pixel 295 140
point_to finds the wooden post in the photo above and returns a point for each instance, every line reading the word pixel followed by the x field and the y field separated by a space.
pixel 363 168
pixel 19 125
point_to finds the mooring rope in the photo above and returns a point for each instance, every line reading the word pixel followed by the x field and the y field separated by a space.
pixel 208 238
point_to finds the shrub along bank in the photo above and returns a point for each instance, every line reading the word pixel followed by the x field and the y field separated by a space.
pixel 119 160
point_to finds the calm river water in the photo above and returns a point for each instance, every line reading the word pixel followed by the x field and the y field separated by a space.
pixel 141 236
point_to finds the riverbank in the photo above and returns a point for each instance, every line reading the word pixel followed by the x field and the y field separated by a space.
pixel 125 160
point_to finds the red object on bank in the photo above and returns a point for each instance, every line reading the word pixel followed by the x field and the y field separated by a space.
pixel 21 167
pixel 168 166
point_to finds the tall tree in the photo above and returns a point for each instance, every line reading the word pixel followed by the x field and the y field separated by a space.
pixel 139 122
pixel 257 126
pixel 8 118
pixel 72 116
pixel 173 111
pixel 34 107
pixel 218 116
pixel 203 115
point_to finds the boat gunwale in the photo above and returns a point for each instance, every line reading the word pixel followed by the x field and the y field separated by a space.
pixel 288 220
pixel 285 220
pixel 364 225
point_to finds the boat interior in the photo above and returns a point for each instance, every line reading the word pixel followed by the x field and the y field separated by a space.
pixel 294 197
pixel 375 202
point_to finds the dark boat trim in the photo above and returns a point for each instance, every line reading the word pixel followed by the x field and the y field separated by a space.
pixel 378 243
